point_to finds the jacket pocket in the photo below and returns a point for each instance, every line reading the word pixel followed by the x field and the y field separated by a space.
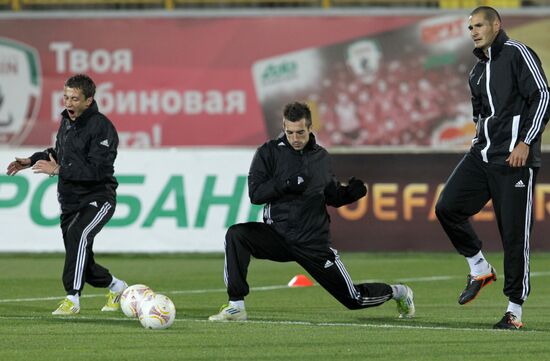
pixel 515 131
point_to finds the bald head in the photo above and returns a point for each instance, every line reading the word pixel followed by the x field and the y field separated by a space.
pixel 489 13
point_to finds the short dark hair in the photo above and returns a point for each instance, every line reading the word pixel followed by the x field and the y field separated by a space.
pixel 297 111
pixel 82 82
pixel 488 12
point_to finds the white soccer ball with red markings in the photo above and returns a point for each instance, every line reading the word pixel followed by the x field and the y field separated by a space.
pixel 132 297
pixel 156 311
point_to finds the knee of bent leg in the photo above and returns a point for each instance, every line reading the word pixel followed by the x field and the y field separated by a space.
pixel 442 208
pixel 353 305
pixel 233 233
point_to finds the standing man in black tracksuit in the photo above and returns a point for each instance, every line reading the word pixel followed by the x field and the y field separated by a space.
pixel 510 108
pixel 292 176
pixel 83 159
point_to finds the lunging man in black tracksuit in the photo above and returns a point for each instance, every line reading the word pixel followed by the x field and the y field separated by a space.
pixel 292 177
pixel 510 108
pixel 83 159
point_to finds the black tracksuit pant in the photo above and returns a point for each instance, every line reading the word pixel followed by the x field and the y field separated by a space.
pixel 261 241
pixel 471 185
pixel 79 229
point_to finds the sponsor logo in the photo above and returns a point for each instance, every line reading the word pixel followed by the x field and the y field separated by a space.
pixel 19 90
pixel 328 263
pixel 454 133
pixel 520 184
pixel 444 29
pixel 278 72
pixel 364 57
pixel 105 142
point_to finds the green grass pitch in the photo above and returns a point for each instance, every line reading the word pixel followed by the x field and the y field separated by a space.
pixel 284 323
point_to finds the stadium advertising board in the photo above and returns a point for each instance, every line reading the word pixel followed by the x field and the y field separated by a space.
pixel 184 200
pixel 399 211
pixel 183 207
pixel 183 81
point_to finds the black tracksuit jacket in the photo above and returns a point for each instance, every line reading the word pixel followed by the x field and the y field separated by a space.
pixel 510 101
pixel 300 219
pixel 85 149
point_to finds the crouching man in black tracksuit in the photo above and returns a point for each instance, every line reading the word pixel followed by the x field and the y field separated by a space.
pixel 83 159
pixel 510 108
pixel 292 177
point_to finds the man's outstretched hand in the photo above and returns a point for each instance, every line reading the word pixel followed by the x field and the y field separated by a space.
pixel 17 165
pixel 356 188
pixel 49 167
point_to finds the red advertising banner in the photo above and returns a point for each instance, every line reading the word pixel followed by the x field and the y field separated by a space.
pixel 163 81
pixel 183 81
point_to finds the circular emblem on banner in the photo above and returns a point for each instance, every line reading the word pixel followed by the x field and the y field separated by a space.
pixel 20 90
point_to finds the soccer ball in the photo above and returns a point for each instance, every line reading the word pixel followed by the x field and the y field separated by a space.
pixel 131 298
pixel 156 311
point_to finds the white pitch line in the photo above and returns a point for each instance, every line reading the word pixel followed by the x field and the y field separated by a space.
pixel 267 322
pixel 211 290
pixel 184 292
pixel 261 288
pixel 371 325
